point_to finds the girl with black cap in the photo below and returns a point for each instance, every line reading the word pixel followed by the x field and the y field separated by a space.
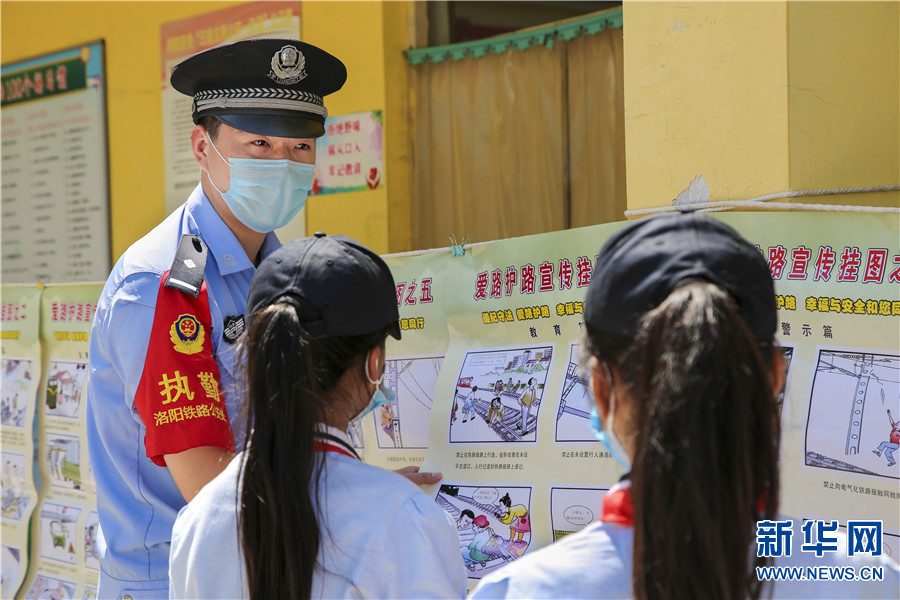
pixel 679 327
pixel 296 514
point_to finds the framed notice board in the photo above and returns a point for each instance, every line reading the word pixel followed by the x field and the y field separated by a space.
pixel 55 168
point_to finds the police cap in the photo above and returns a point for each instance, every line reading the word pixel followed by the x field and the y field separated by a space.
pixel 267 87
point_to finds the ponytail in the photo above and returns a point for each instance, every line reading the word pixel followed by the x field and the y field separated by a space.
pixel 706 445
pixel 288 375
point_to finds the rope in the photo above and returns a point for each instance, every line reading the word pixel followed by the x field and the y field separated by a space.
pixel 762 201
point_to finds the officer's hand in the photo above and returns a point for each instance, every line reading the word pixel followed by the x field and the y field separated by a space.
pixel 417 477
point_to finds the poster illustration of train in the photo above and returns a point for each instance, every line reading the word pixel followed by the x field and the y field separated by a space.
pixel 498 395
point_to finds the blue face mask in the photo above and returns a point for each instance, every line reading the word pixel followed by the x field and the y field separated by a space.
pixel 383 395
pixel 265 194
pixel 607 436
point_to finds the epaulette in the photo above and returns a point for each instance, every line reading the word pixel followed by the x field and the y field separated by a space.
pixel 186 272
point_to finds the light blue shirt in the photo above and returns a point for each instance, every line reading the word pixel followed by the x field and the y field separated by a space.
pixel 137 500
pixel 386 539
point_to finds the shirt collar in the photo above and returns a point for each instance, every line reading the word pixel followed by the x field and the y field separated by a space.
pixel 222 243
pixel 341 435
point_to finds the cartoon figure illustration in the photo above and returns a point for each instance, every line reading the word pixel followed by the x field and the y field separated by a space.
pixel 892 443
pixel 519 523
pixel 496 411
pixel 464 528
pixel 15 383
pixel 469 406
pixel 387 416
pixel 485 545
pixel 526 400
pixel 501 373
pixel 455 406
pixel 58 533
pixel 14 499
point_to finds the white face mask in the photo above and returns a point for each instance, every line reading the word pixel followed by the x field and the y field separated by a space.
pixel 265 194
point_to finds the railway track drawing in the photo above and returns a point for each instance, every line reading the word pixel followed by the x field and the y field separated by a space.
pixel 493 522
pixel 498 395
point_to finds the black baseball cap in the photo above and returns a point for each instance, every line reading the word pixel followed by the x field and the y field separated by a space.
pixel 267 86
pixel 349 288
pixel 640 265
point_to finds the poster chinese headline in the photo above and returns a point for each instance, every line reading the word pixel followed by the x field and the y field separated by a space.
pixel 183 38
pixel 349 155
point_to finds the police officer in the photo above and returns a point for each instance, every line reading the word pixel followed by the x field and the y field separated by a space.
pixel 162 402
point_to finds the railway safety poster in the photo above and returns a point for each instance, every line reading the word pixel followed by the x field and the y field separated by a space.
pixel 64 555
pixel 509 424
pixel 489 392
pixel 20 361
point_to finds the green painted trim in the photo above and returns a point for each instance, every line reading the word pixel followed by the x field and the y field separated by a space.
pixel 544 36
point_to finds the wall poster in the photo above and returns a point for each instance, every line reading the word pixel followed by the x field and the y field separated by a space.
pixel 55 168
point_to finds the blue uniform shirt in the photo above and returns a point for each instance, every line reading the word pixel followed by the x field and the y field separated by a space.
pixel 138 500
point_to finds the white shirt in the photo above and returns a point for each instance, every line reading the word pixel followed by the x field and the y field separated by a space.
pixel 596 563
pixel 387 539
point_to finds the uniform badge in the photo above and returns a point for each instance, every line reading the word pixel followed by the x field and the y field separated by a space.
pixel 288 66
pixel 234 327
pixel 187 334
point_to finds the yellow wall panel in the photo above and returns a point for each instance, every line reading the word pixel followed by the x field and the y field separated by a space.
pixel 845 98
pixel 352 31
pixel 705 95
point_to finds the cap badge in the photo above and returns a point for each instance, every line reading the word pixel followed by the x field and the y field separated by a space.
pixel 288 66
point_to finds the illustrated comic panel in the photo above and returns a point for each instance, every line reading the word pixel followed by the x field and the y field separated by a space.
pixel 14 403
pixel 573 417
pixel 498 395
pixel 574 508
pixel 58 532
pixel 493 522
pixel 787 352
pixel 14 486
pixel 45 586
pixel 91 552
pixel 861 538
pixel 355 432
pixel 853 422
pixel 63 460
pixel 65 389
pixel 10 565
pixel 403 423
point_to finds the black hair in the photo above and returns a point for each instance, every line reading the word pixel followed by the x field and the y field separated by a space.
pixel 290 377
pixel 211 124
pixel 706 444
pixel 468 513
pixel 506 500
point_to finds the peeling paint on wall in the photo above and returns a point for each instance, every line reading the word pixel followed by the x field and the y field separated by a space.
pixel 696 193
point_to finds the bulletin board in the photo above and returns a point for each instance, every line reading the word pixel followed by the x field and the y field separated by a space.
pixel 55 167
